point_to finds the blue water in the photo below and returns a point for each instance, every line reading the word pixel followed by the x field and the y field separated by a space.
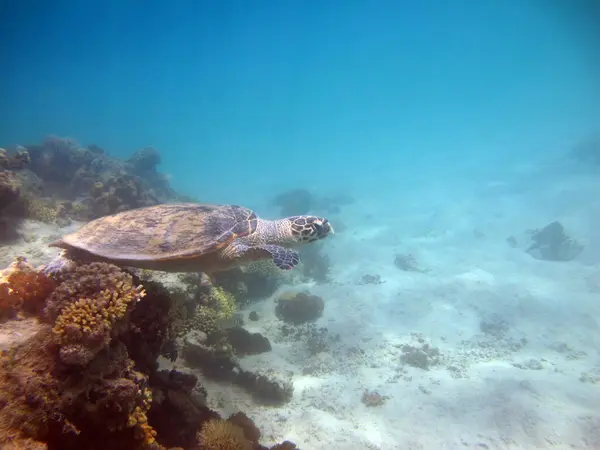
pixel 450 123
pixel 271 94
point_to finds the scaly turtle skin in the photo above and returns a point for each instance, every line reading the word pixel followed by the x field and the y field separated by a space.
pixel 191 237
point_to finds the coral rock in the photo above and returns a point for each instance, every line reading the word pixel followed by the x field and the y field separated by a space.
pixel 299 308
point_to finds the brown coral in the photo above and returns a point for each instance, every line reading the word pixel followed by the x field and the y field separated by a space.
pixel 28 391
pixel 219 434
pixel 23 289
pixel 90 306
pixel 47 402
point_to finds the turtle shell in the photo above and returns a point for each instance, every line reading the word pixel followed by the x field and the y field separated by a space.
pixel 163 232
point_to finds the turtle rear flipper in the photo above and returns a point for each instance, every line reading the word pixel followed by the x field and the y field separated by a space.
pixel 282 257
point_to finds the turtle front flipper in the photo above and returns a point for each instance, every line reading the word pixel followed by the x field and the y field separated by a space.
pixel 284 258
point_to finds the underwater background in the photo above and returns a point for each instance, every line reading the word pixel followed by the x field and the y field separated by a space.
pixel 454 146
pixel 372 97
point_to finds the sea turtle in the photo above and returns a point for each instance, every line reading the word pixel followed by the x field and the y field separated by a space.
pixel 190 237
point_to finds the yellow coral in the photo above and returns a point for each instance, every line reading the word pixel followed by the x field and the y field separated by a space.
pixel 85 326
pixel 219 434
pixel 139 420
pixel 225 303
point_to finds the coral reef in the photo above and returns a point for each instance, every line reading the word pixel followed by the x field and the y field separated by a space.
pixel 115 397
pixel 10 185
pixel 59 180
pixel 9 188
pixel 299 308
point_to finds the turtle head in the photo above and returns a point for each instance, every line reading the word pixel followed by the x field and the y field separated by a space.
pixel 310 228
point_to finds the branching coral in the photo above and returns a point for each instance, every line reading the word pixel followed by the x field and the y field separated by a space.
pixel 86 326
pixel 23 289
pixel 117 399
pixel 85 282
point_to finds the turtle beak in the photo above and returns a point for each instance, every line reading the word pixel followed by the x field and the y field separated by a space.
pixel 331 230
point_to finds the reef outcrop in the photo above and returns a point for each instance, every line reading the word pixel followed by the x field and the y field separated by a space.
pixel 85 375
pixel 60 180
